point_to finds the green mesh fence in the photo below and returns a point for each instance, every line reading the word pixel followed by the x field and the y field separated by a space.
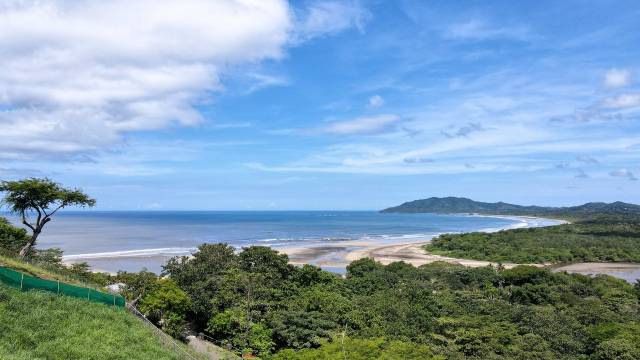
pixel 25 282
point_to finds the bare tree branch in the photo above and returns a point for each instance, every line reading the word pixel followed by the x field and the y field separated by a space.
pixel 24 221
pixel 58 208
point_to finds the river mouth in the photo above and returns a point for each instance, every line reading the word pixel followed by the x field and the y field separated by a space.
pixel 626 271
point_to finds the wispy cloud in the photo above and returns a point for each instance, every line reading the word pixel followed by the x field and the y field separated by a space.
pixel 590 114
pixel 375 101
pixel 622 101
pixel 463 131
pixel 615 78
pixel 259 81
pixel 19 172
pixel 623 173
pixel 580 174
pixel 329 17
pixel 397 169
pixel 587 159
pixel 231 125
pixel 363 125
pixel 418 160
pixel 477 29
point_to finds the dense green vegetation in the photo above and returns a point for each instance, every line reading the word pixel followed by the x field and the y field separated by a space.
pixel 39 325
pixel 595 240
pixel 11 238
pixel 255 302
pixel 448 205
pixel 600 232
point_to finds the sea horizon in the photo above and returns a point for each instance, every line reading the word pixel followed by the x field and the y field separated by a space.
pixel 135 239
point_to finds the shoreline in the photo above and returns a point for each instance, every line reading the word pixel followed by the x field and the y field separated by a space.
pixel 336 255
pixel 339 256
pixel 413 253
pixel 329 254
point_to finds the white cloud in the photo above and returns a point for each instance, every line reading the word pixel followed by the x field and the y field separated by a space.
pixel 615 78
pixel 74 76
pixel 375 101
pixel 363 125
pixel 622 101
pixel 261 81
pixel 624 173
pixel 482 30
pixel 330 17
pixel 497 114
pixel 77 75
pixel 395 169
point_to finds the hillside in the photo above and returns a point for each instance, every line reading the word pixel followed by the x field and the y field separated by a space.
pixel 449 205
pixel 39 325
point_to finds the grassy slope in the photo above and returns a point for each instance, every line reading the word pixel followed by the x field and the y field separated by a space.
pixel 39 325
pixel 40 272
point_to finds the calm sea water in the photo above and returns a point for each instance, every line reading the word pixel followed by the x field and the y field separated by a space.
pixel 132 240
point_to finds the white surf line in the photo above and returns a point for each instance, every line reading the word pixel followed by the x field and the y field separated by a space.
pixel 523 222
pixel 132 253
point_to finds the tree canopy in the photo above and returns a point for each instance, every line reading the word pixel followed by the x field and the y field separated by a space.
pixel 595 240
pixel 42 198
pixel 254 302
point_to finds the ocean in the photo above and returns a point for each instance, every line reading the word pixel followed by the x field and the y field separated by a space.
pixel 132 240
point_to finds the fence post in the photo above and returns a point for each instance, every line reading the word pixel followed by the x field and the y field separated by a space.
pixel 58 287
pixel 21 280
pixel 88 293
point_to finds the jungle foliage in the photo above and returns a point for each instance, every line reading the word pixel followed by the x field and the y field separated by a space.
pixel 594 240
pixel 255 302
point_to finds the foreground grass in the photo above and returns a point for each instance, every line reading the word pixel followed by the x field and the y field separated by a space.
pixel 45 272
pixel 39 325
pixel 592 241
pixel 31 269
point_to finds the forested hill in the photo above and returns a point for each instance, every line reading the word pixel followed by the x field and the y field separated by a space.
pixel 463 205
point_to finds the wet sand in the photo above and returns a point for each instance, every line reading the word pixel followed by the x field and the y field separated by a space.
pixel 336 257
pixel 415 255
pixel 339 255
pixel 411 253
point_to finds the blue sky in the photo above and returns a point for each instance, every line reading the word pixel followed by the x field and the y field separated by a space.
pixel 250 105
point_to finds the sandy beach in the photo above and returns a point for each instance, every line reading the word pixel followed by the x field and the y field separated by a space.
pixel 338 257
pixel 411 253
pixel 341 254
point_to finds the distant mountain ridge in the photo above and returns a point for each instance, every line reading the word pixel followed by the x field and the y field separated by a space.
pixel 449 205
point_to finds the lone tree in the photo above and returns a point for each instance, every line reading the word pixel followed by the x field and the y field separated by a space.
pixel 41 197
